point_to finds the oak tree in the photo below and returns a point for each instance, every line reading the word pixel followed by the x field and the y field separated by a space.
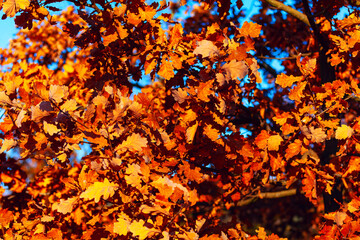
pixel 219 145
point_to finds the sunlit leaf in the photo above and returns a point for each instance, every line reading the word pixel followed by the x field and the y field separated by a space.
pixel 99 190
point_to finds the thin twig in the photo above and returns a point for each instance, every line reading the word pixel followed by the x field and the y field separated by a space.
pixel 283 58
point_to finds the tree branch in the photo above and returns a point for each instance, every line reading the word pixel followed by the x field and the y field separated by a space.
pixel 293 12
pixel 279 194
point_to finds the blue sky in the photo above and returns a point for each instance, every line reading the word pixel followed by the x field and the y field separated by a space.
pixel 8 28
pixel 8 31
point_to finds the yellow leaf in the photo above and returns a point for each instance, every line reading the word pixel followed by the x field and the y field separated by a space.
pixel 40 228
pixel 343 132
pixel 97 190
pixel 137 228
pixel 47 218
pixel 206 48
pixel 10 7
pixel 69 105
pixel 64 206
pixel 50 129
pixel 121 227
pixel 7 144
pixel 133 142
pixel 68 68
pixel 4 99
pixel 274 142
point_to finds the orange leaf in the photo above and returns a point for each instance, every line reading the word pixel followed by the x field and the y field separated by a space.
pixel 6 217
pixel 317 134
pixel 123 32
pixel 133 18
pixel 166 70
pixel 293 149
pixel 4 99
pixel 211 133
pixel 190 133
pixel 287 81
pixel 262 139
pixel 37 112
pixel 251 29
pixel 149 66
pixel 204 90
pixel 147 14
pixel 296 93
pixel 309 185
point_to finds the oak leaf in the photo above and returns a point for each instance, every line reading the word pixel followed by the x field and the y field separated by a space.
pixel 204 90
pixel 134 142
pixel 97 190
pixel 137 228
pixel 317 134
pixel 190 133
pixel 57 93
pixel 121 227
pixel 274 142
pixel 7 144
pixel 235 69
pixel 147 14
pixel 64 206
pixel 343 132
pixel 4 99
pixel 50 129
pixel 296 93
pixel 287 81
pixel 180 95
pixel 10 7
pixel 293 149
pixel 251 29
pixel 166 70
pixel 206 48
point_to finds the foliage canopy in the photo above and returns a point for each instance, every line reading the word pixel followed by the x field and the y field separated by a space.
pixel 173 162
